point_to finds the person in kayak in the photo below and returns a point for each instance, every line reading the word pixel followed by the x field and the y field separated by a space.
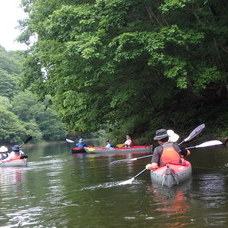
pixel 109 144
pixel 166 152
pixel 80 143
pixel 3 152
pixel 16 153
pixel 129 141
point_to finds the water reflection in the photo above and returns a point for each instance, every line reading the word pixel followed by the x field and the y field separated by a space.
pixel 172 203
pixel 11 176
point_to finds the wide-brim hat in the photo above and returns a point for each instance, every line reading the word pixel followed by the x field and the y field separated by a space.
pixel 173 137
pixel 160 134
pixel 3 149
pixel 15 148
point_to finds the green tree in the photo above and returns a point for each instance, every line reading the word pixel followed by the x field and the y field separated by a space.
pixel 44 122
pixel 126 63
pixel 12 128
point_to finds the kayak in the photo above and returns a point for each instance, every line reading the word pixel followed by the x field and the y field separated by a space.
pixel 172 174
pixel 14 163
pixel 78 150
pixel 133 149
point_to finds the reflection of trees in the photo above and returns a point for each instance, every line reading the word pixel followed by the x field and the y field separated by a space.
pixel 212 190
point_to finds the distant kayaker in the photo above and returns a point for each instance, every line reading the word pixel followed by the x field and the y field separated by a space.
pixel 16 153
pixel 109 144
pixel 129 141
pixel 3 152
pixel 81 143
pixel 166 152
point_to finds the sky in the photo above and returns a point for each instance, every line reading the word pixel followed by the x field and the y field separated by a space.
pixel 10 13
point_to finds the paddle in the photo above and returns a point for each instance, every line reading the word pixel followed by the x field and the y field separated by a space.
pixel 193 134
pixel 207 144
pixel 26 140
pixel 70 141
pixel 119 145
pixel 130 159
pixel 133 178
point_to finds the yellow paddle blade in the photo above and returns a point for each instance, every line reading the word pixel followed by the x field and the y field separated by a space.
pixel 91 149
pixel 119 145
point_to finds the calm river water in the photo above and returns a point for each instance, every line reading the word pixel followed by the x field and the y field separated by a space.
pixel 60 189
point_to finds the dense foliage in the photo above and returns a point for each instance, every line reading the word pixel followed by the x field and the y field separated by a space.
pixel 130 66
pixel 20 112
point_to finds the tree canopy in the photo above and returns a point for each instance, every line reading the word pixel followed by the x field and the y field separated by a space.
pixel 20 111
pixel 129 65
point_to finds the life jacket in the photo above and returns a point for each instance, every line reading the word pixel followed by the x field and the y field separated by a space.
pixel 169 155
pixel 132 143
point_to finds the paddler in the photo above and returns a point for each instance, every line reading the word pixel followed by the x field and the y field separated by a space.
pixel 168 151
pixel 16 153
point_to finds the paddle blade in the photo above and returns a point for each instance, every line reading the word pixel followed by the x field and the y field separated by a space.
pixel 194 133
pixel 123 160
pixel 210 143
pixel 119 145
pixel 69 141
pixel 127 181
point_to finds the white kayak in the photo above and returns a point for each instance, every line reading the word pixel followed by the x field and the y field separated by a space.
pixel 13 163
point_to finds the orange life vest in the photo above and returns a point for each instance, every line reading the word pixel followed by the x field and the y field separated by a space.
pixel 169 155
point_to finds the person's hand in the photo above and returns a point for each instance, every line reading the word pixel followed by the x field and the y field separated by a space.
pixel 152 166
pixel 149 166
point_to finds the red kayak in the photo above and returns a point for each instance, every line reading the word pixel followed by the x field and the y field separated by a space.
pixel 172 174
pixel 78 150
pixel 133 149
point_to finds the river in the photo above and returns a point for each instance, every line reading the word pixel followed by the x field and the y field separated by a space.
pixel 60 189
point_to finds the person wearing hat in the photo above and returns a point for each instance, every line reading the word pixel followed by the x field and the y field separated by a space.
pixel 16 153
pixel 80 143
pixel 3 152
pixel 168 151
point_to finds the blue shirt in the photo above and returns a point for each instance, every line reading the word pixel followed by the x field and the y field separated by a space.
pixel 80 144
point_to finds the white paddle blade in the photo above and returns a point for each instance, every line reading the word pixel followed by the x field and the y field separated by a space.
pixel 69 141
pixel 210 143
pixel 127 181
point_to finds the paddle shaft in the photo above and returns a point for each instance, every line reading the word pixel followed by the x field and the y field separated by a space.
pixel 28 139
pixel 141 172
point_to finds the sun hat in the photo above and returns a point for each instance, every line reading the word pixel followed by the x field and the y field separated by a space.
pixel 81 140
pixel 173 137
pixel 160 134
pixel 3 149
pixel 15 148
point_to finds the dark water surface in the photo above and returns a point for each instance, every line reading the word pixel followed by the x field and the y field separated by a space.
pixel 59 189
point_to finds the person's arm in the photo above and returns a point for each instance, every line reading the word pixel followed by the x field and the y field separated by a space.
pixel 9 157
pixel 184 152
pixel 155 159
